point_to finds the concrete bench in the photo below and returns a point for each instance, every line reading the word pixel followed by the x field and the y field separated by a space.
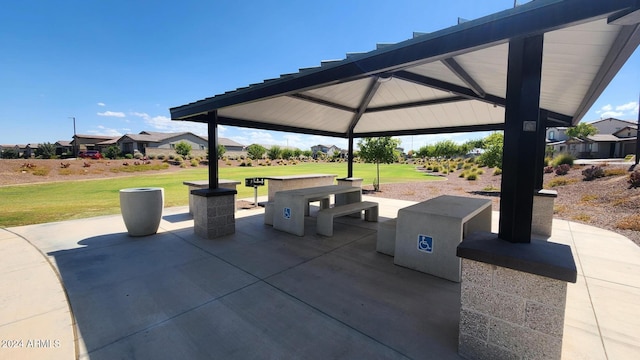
pixel 325 216
pixel 386 241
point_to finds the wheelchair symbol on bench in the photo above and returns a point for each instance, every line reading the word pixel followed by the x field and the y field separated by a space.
pixel 425 243
pixel 286 212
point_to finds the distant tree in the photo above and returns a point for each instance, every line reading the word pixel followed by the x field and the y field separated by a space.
pixel 10 154
pixel 112 152
pixel 379 150
pixel 447 149
pixel 220 151
pixel 286 153
pixel 46 151
pixel 183 149
pixel 307 153
pixel 492 155
pixel 582 131
pixel 274 152
pixel 255 151
pixel 426 151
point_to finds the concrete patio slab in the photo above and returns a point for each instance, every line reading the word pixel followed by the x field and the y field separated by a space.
pixel 263 293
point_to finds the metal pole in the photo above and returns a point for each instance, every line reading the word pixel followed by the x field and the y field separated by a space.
pixel 75 140
pixel 638 136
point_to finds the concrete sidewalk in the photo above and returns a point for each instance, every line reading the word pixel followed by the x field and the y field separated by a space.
pixel 261 293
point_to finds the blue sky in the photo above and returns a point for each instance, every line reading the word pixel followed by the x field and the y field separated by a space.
pixel 118 66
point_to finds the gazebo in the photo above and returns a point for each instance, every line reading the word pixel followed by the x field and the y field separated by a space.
pixel 521 70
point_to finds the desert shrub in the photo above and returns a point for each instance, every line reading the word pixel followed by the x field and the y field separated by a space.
pixel 582 217
pixel 462 174
pixel 563 169
pixel 151 157
pixel 592 173
pixel 472 176
pixel 563 159
pixel 436 168
pixel 128 156
pixel 588 197
pixel 195 162
pixel 615 172
pixel 41 171
pixel 631 222
pixel 497 171
pixel 548 169
pixel 558 182
pixel 161 156
pixel 480 172
pixel 467 166
pixel 137 156
pixel 172 156
pixel 634 179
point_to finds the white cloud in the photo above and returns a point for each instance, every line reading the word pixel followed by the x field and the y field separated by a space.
pixel 105 131
pixel 101 104
pixel 631 107
pixel 621 111
pixel 165 124
pixel 611 114
pixel 112 114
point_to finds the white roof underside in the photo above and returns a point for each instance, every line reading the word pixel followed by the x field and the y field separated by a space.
pixel 574 59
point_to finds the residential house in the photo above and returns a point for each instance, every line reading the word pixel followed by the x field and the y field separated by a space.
pixel 63 147
pixel 327 150
pixel 18 149
pixel 90 142
pixel 155 143
pixel 615 139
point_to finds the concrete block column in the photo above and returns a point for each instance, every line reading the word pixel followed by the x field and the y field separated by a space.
pixel 513 298
pixel 213 212
pixel 542 217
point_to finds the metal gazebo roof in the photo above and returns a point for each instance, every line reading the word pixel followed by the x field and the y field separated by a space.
pixel 452 80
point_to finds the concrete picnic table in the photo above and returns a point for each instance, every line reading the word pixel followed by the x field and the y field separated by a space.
pixel 290 205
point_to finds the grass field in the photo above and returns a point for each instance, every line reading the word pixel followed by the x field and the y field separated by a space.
pixel 59 201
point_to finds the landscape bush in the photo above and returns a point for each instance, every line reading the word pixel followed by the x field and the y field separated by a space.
pixel 562 169
pixel 615 172
pixel 497 171
pixel 634 179
pixel 548 169
pixel 592 173
pixel 564 159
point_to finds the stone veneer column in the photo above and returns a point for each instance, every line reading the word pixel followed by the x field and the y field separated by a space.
pixel 513 298
pixel 213 212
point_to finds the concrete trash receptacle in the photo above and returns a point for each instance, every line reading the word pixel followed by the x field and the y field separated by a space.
pixel 142 210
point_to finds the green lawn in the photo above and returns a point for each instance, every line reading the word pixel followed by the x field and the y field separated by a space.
pixel 41 203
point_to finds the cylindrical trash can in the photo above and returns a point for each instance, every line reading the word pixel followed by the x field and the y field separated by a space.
pixel 142 210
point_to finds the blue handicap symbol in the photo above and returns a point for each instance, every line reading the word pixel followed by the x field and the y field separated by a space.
pixel 286 212
pixel 425 243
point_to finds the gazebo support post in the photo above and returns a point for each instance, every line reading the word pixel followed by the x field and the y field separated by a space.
pixel 214 208
pixel 513 292
pixel 350 156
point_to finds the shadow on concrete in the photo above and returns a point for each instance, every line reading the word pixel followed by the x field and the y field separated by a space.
pixel 259 293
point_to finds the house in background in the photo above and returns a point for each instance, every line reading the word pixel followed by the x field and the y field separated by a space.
pixel 89 142
pixel 615 139
pixel 63 147
pixel 327 150
pixel 232 148
pixel 155 143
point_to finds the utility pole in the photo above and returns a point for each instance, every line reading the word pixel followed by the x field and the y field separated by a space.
pixel 75 140
pixel 638 137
